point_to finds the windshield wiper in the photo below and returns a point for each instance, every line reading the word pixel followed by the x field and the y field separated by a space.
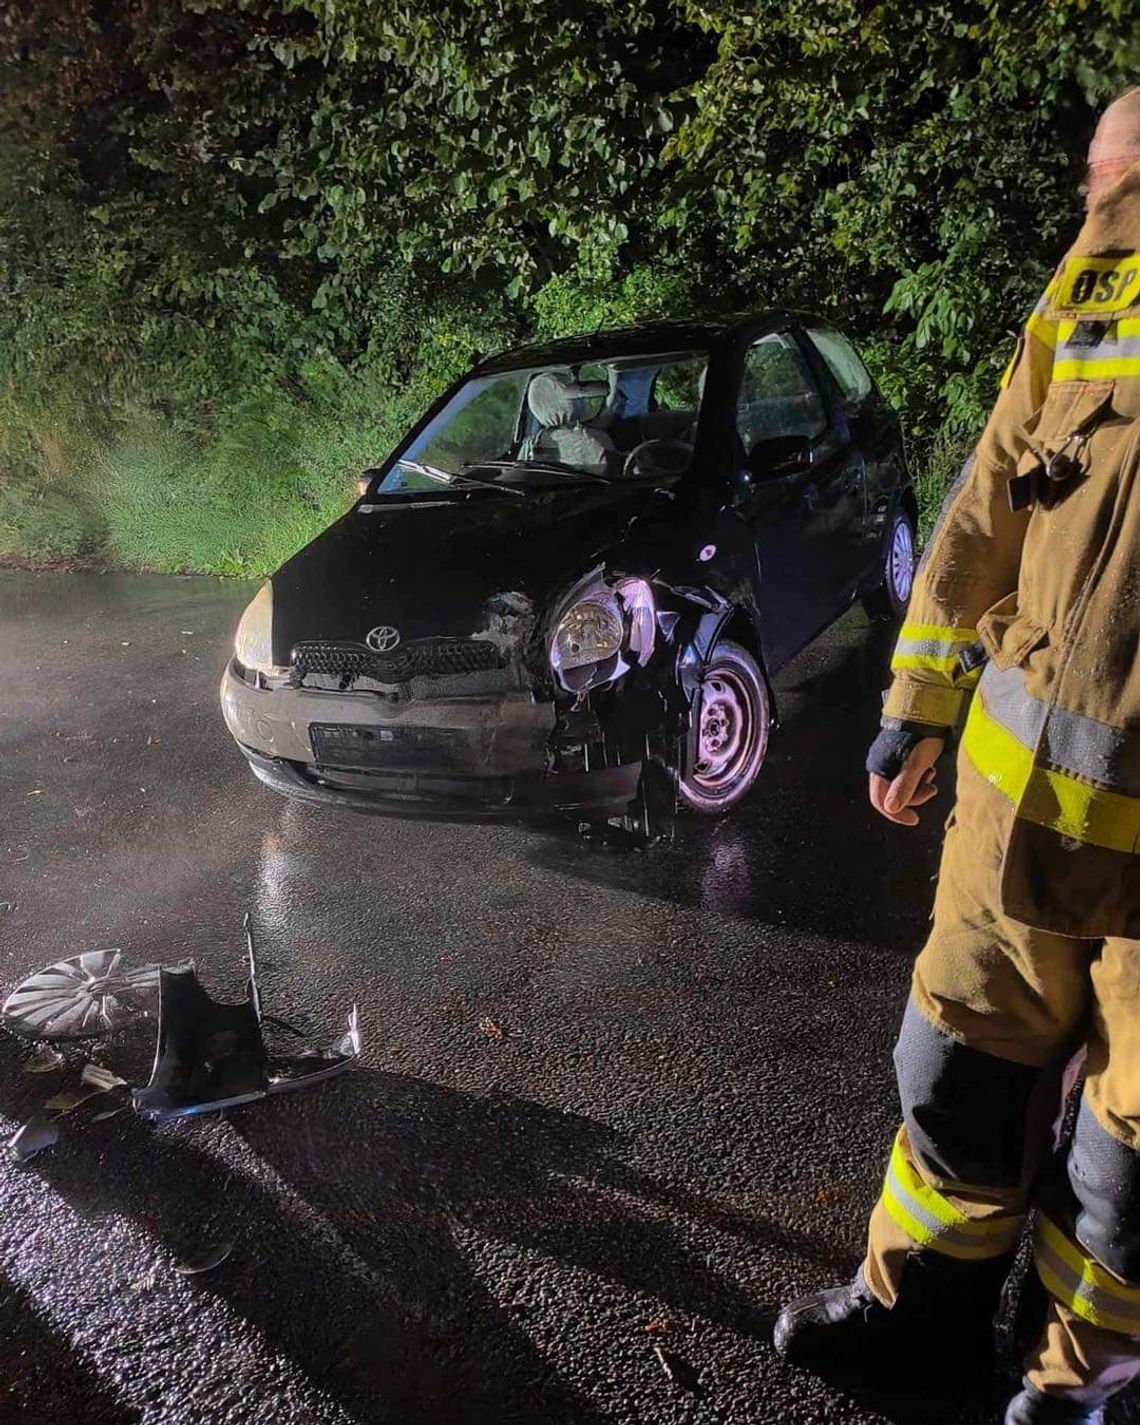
pixel 444 477
pixel 545 469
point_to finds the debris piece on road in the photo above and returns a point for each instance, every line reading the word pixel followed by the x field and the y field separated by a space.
pixel 68 1100
pixel 491 1027
pixel 679 1371
pixel 80 998
pixel 37 1134
pixel 105 1113
pixel 659 1325
pixel 204 1261
pixel 44 1061
pixel 146 1282
pixel 101 1079
pixel 8 905
pixel 211 1055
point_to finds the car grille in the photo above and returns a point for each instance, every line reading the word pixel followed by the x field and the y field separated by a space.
pixel 420 658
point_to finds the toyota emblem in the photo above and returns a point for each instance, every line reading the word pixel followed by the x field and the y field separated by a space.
pixel 383 638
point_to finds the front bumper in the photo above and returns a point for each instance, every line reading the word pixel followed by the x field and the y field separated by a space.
pixel 476 755
pixel 609 789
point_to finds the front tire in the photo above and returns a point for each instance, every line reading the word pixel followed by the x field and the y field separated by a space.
pixel 889 600
pixel 727 750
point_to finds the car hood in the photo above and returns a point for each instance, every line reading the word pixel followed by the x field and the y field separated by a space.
pixel 444 568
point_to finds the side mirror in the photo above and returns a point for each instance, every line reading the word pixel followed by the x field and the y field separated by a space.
pixel 782 455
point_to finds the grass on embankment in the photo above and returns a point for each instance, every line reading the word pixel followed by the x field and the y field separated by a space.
pixel 231 492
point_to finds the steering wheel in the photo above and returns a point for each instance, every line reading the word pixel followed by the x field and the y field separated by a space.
pixel 683 453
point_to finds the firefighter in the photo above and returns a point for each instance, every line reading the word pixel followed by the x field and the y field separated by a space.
pixel 1021 645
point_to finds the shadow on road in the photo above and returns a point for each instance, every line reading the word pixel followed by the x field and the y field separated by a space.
pixel 371 1290
pixel 42 1378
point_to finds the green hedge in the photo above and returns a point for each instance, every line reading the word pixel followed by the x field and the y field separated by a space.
pixel 241 241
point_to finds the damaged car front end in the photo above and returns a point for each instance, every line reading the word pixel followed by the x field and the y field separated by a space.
pixel 567 589
pixel 562 711
pixel 482 639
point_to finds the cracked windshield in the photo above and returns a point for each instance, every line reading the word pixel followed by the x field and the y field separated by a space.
pixel 605 421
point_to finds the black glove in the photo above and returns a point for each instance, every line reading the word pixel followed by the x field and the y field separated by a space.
pixel 896 742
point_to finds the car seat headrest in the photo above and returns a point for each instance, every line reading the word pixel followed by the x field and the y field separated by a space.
pixel 555 398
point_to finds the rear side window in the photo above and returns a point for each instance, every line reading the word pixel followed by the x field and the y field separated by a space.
pixel 777 395
pixel 845 364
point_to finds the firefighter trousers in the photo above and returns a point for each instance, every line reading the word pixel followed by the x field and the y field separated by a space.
pixel 997 1011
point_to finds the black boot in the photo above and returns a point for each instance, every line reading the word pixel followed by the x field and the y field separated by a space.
pixel 943 1318
pixel 1030 1407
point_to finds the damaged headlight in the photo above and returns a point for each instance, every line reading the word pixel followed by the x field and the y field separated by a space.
pixel 588 632
pixel 602 632
pixel 253 642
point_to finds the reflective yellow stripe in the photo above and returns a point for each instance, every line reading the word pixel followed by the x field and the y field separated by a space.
pixel 1081 1284
pixel 1085 813
pixel 1091 367
pixel 933 1221
pixel 934 648
pixel 948 667
pixel 1063 803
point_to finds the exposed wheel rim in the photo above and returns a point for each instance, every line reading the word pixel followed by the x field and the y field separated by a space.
pixel 901 563
pixel 732 736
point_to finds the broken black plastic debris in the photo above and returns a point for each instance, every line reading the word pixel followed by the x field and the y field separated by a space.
pixel 211 1055
pixel 33 1137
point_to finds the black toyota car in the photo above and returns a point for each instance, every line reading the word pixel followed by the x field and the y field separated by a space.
pixel 571 584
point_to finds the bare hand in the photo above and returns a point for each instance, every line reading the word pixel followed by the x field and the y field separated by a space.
pixel 915 785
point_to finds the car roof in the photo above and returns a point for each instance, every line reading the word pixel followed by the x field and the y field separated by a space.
pixel 646 337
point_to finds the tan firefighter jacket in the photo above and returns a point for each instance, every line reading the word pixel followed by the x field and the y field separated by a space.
pixel 1026 608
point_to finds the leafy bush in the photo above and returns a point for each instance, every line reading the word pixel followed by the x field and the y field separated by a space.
pixel 239 243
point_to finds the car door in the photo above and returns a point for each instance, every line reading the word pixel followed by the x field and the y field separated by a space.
pixel 798 485
pixel 873 428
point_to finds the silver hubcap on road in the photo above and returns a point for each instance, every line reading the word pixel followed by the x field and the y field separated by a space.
pixel 80 998
pixel 728 730
pixel 902 561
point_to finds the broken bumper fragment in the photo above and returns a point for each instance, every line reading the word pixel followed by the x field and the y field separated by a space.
pixel 211 1055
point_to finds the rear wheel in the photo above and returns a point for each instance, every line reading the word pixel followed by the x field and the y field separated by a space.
pixel 889 600
pixel 730 743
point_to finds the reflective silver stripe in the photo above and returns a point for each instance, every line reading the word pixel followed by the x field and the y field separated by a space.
pixel 931 647
pixel 1067 740
pixel 932 1220
pixel 938 1232
pixel 1104 350
pixel 1006 701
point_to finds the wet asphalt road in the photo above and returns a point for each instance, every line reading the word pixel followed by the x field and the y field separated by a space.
pixel 603 1091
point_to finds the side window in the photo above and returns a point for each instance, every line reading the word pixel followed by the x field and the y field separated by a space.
pixel 845 364
pixel 777 395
